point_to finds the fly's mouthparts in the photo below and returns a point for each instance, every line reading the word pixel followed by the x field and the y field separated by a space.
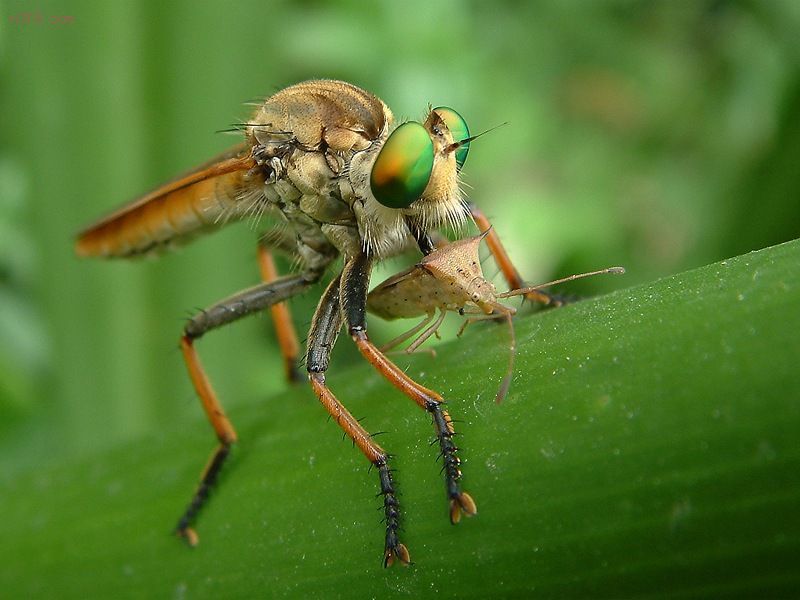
pixel 456 145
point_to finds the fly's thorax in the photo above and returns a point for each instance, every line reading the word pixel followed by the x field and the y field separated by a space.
pixel 304 137
pixel 320 115
pixel 321 198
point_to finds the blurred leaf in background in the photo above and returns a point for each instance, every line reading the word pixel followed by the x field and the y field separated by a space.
pixel 23 342
pixel 659 135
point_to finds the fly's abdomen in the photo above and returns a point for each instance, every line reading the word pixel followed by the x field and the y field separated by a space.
pixel 177 211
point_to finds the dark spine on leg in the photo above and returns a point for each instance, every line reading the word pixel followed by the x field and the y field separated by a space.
pixel 451 462
pixel 204 489
pixel 391 507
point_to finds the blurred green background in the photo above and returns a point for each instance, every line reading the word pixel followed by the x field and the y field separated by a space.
pixel 658 135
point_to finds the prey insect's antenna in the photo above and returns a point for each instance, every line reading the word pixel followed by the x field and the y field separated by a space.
pixel 512 349
pixel 512 352
pixel 456 145
pixel 525 290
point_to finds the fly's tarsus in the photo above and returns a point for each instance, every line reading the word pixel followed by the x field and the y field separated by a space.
pixel 460 502
pixel 207 481
pixel 396 552
pixel 431 402
pixel 393 549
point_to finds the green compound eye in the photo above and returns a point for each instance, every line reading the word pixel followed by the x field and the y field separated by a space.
pixel 458 128
pixel 403 167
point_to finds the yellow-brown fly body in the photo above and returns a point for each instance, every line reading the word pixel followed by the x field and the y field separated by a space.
pixel 313 158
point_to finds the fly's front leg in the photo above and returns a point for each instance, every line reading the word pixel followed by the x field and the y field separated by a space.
pixel 354 284
pixel 325 329
pixel 281 318
pixel 510 273
pixel 222 313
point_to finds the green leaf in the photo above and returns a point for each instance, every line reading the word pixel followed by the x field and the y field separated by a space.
pixel 648 446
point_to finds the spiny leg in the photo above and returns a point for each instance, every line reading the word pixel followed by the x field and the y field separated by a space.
pixel 354 284
pixel 226 435
pixel 281 318
pixel 510 273
pixel 226 311
pixel 325 327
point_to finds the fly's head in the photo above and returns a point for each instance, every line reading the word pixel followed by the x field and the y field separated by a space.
pixel 446 129
pixel 413 176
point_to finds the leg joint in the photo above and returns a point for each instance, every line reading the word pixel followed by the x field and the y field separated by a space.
pixel 195 327
pixel 433 406
pixel 358 331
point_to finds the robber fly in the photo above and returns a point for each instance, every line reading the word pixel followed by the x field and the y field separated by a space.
pixel 326 159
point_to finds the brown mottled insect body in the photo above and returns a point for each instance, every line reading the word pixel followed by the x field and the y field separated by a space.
pixel 450 278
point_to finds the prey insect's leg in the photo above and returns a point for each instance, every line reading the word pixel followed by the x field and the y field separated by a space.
pixel 428 332
pixel 408 334
pixel 510 273
pixel 281 318
pixel 325 328
pixel 226 311
pixel 354 283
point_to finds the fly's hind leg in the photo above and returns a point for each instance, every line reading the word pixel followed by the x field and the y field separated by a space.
pixel 281 318
pixel 325 327
pixel 231 309
pixel 510 273
pixel 355 280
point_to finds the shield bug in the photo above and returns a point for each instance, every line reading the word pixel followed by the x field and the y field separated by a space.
pixel 450 279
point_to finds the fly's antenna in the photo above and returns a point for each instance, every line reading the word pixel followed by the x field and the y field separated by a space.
pixel 456 145
pixel 525 290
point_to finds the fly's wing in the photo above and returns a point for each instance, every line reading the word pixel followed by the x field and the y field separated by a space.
pixel 200 200
pixel 314 122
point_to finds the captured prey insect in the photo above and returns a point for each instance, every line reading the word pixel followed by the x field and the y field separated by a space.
pixel 451 279
pixel 326 160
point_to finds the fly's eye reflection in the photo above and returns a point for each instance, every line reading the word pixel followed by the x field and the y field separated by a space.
pixel 458 128
pixel 403 167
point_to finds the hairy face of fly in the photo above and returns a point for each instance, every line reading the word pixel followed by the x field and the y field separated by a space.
pixel 413 175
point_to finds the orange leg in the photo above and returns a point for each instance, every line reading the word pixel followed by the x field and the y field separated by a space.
pixel 508 269
pixel 432 402
pixel 394 550
pixel 227 311
pixel 355 279
pixel 282 319
pixel 322 336
pixel 222 427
